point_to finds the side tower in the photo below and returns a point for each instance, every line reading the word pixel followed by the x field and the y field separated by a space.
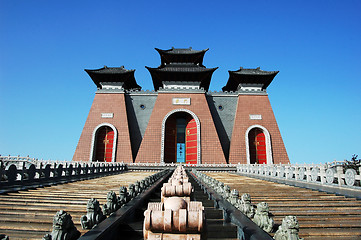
pixel 181 128
pixel 105 136
pixel 255 136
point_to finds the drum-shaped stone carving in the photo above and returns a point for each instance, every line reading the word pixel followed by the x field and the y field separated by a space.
pixel 175 215
pixel 330 173
pixel 314 174
pixel 350 177
pixel 169 190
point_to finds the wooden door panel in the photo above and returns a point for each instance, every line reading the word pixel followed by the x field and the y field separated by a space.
pixel 104 144
pixel 191 142
pixel 257 146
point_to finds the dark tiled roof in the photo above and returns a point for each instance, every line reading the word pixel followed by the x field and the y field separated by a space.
pixel 181 51
pixel 253 71
pixel 110 70
pixel 249 76
pixel 181 55
pixel 181 73
pixel 182 67
pixel 114 74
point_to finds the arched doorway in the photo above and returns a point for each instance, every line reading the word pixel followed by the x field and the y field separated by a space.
pixel 181 139
pixel 104 144
pixel 257 146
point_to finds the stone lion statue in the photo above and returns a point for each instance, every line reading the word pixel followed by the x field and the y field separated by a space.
pixel 94 215
pixel 262 217
pixel 288 230
pixel 63 228
pixel 246 206
pixel 234 197
pixel 123 196
pixel 4 237
pixel 137 189
pixel 131 191
pixel 219 188
pixel 112 203
pixel 226 192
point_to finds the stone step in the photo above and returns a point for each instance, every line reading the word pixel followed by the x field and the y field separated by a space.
pixel 213 213
pixel 29 214
pixel 331 237
pixel 24 234
pixel 320 215
pixel 319 204
pixel 41 227
pixel 44 208
pixel 326 232
pixel 222 230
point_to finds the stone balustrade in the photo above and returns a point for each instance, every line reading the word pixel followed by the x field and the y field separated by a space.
pixel 27 172
pixel 323 174
pixel 183 164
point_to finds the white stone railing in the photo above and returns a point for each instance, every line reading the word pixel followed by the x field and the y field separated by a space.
pixel 183 164
pixel 324 174
pixel 18 171
pixel 20 161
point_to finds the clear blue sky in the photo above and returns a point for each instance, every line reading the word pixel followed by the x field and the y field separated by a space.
pixel 45 95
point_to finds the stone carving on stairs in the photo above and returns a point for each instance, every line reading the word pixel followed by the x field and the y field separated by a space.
pixel 262 217
pixel 176 216
pixel 94 215
pixel 234 198
pixel 123 196
pixel 245 206
pixel 288 230
pixel 112 204
pixel 63 228
pixel 4 237
pixel 226 192
pixel 131 191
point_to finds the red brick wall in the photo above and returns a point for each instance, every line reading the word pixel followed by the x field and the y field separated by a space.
pixel 106 103
pixel 150 148
pixel 255 104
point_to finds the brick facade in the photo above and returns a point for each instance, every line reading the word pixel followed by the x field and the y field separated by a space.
pixel 106 103
pixel 150 148
pixel 257 105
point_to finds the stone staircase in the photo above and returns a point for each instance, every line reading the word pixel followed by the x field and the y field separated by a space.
pixel 29 214
pixel 320 215
pixel 217 229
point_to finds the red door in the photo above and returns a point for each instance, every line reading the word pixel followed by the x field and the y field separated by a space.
pixel 191 142
pixel 170 140
pixel 257 146
pixel 104 146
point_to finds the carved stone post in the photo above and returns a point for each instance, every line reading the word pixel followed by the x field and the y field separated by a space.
pixel 340 180
pixel 322 174
pixel 296 172
pixel 308 173
pixel 278 171
pixel 287 171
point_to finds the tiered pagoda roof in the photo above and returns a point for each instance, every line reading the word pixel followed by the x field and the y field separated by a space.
pixel 114 74
pixel 249 77
pixel 181 65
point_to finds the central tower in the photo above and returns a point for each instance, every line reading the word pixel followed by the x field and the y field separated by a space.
pixel 181 117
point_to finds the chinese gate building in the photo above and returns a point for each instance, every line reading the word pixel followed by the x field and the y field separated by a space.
pixel 181 121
